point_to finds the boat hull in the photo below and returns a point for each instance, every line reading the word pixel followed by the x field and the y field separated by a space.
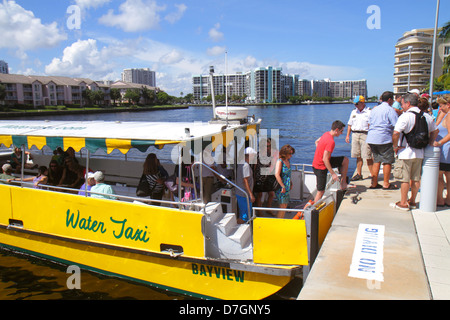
pixel 197 278
pixel 50 225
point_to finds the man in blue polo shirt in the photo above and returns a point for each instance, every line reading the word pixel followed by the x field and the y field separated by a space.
pixel 381 126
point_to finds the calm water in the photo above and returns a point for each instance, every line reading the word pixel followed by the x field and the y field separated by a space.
pixel 28 278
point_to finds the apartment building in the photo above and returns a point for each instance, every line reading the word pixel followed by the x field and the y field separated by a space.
pixel 258 85
pixel 304 87
pixel 48 90
pixel 4 67
pixel 413 58
pixel 266 85
pixel 140 76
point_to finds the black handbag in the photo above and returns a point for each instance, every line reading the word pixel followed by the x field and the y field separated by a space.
pixel 143 188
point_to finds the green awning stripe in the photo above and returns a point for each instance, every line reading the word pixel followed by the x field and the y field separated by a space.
pixel 93 144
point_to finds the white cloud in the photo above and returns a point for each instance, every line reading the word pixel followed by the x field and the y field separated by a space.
pixel 82 59
pixel 135 15
pixel 314 71
pixel 214 34
pixel 250 62
pixel 172 57
pixel 20 29
pixel 86 4
pixel 215 51
pixel 175 16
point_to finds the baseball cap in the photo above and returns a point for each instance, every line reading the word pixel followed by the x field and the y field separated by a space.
pixel 416 91
pixel 359 99
pixel 7 167
pixel 250 150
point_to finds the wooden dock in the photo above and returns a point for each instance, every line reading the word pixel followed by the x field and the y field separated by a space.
pixel 415 251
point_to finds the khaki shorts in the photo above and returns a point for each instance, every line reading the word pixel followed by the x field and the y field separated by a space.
pixel 411 169
pixel 359 146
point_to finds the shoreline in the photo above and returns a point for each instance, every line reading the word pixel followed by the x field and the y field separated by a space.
pixel 14 114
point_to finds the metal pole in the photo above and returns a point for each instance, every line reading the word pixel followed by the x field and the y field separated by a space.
pixel 23 165
pixel 434 51
pixel 409 70
pixel 86 175
pixel 211 75
pixel 226 83
pixel 180 178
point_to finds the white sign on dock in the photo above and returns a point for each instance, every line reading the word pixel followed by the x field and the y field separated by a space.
pixel 367 261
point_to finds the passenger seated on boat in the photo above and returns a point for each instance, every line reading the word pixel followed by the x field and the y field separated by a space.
pixel 73 174
pixel 55 173
pixel 102 187
pixel 59 156
pixel 87 186
pixel 39 180
pixel 16 160
pixel 244 181
pixel 68 176
pixel 6 175
pixel 156 175
pixel 186 181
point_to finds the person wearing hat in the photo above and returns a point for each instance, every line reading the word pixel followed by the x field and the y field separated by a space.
pixel 244 181
pixel 415 91
pixel 87 186
pixel 101 187
pixel 7 170
pixel 358 126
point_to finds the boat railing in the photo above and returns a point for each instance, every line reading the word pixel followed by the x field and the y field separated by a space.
pixel 221 177
pixel 192 205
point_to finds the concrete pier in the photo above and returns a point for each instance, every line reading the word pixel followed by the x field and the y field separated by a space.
pixel 416 251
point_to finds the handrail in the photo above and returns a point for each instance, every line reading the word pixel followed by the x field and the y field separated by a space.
pixel 224 178
pixel 47 187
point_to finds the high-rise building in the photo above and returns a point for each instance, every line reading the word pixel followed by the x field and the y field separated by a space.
pixel 413 58
pixel 4 67
pixel 140 76
pixel 266 85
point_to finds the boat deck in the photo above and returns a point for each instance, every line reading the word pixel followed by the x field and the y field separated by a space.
pixel 416 251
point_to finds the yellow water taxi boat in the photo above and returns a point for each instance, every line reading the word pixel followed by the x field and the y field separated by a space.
pixel 193 248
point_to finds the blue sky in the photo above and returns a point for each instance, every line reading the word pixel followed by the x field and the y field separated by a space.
pixel 180 38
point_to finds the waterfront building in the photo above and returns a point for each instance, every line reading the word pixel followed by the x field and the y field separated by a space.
pixel 4 67
pixel 49 90
pixel 141 76
pixel 267 85
pixel 123 87
pixel 348 89
pixel 413 57
pixel 304 87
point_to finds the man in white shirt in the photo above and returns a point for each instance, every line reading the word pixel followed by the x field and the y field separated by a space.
pixel 358 125
pixel 410 159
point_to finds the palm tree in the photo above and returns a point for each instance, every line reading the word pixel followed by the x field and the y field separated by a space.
pixel 445 31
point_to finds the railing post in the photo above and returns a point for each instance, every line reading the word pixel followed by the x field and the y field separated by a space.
pixel 312 220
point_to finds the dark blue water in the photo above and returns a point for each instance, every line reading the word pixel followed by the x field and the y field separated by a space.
pixel 298 126
pixel 27 278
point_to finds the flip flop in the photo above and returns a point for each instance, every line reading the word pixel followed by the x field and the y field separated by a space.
pixel 391 187
pixel 378 186
pixel 398 206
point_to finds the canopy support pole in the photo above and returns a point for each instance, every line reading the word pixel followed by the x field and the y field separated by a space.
pixel 86 174
pixel 180 178
pixel 23 166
